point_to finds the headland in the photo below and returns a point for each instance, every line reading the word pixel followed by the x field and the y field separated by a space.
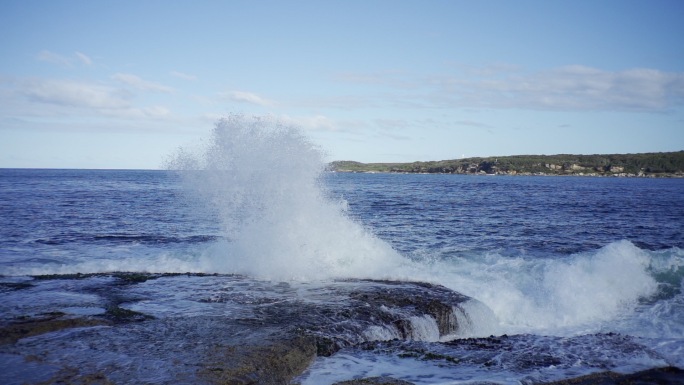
pixel 661 164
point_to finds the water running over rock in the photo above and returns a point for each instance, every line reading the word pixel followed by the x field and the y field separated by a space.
pixel 235 329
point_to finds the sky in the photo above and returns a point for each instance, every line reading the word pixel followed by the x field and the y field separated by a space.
pixel 124 84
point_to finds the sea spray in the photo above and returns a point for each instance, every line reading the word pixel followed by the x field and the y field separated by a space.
pixel 576 294
pixel 263 178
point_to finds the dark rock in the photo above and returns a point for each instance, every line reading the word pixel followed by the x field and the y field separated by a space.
pixel 302 330
pixel 33 326
pixel 9 286
pixel 436 301
pixel 375 381
pixel 661 376
pixel 249 332
pixel 120 315
pixel 237 330
pixel 271 361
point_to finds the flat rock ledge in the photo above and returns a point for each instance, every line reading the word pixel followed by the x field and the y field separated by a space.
pixel 375 381
pixel 260 332
pixel 249 331
pixel 659 376
pixel 340 316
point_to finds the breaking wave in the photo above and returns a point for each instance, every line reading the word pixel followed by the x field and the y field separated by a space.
pixel 585 292
pixel 278 221
pixel 264 178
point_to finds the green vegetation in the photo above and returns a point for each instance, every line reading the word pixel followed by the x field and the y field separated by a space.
pixel 28 326
pixel 427 356
pixel 62 276
pixel 120 315
pixel 123 276
pixel 669 164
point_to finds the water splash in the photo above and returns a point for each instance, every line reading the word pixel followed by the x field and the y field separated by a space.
pixel 263 178
pixel 609 289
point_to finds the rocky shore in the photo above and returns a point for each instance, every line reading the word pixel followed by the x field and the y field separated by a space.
pixel 273 332
pixel 660 376
pixel 126 328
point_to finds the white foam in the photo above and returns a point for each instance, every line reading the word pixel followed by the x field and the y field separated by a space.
pixel 424 328
pixel 159 262
pixel 557 296
pixel 381 333
pixel 474 319
pixel 263 180
pixel 518 360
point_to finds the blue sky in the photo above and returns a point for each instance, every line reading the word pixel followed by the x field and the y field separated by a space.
pixel 103 84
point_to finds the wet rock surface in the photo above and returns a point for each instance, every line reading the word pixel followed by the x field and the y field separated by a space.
pixel 375 381
pixel 663 376
pixel 25 327
pixel 516 359
pixel 659 376
pixel 220 329
pixel 139 328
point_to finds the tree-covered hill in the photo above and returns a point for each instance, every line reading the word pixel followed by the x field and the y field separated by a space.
pixel 647 164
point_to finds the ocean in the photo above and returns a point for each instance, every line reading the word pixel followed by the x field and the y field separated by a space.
pixel 563 276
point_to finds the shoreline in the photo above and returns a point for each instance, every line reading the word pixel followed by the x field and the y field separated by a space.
pixel 272 341
pixel 590 175
pixel 648 165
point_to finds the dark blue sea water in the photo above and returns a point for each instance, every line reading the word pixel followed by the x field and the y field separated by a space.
pixel 54 218
pixel 543 216
pixel 50 216
pixel 569 275
pixel 549 257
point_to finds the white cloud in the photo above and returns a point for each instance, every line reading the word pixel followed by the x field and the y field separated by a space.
pixel 47 98
pixel 211 117
pixel 54 58
pixel 183 76
pixel 567 88
pixel 74 94
pixel 471 123
pixel 573 87
pixel 394 78
pixel 312 123
pixel 141 84
pixel 393 124
pixel 84 58
pixel 248 97
pixel 152 112
pixel 64 60
pixel 344 102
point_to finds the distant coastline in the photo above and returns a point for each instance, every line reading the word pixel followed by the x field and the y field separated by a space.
pixel 649 165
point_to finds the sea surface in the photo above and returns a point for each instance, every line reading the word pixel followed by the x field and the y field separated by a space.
pixel 572 275
pixel 560 261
